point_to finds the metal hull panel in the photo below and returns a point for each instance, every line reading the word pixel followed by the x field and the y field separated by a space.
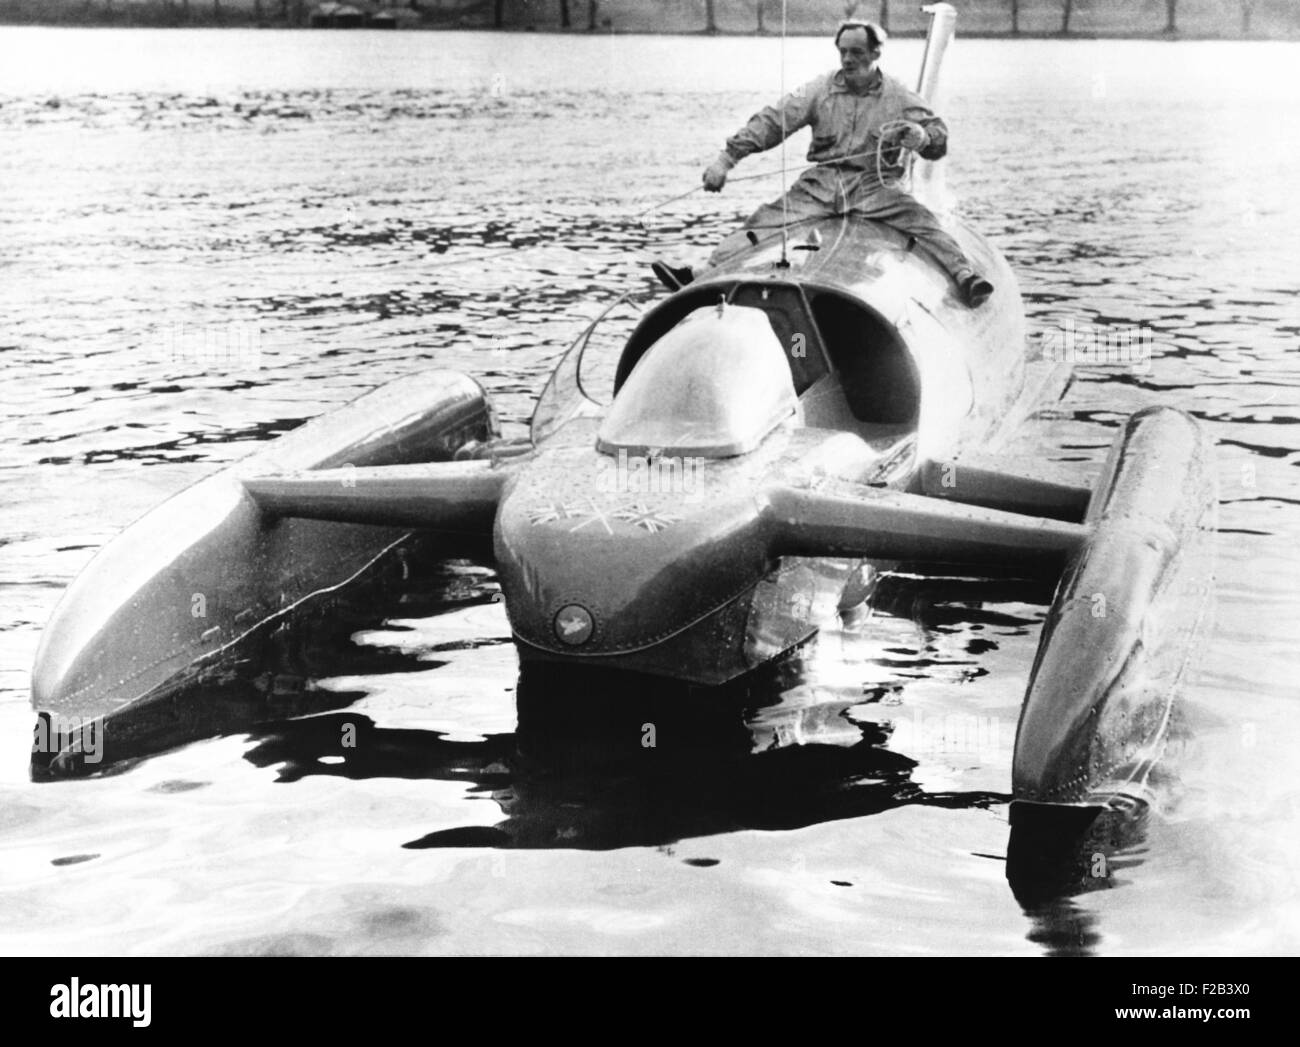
pixel 207 567
pixel 773 616
pixel 1120 633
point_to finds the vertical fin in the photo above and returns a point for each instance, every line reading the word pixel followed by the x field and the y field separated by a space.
pixel 927 176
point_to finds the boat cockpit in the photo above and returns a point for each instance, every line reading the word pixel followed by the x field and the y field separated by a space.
pixel 701 388
pixel 824 331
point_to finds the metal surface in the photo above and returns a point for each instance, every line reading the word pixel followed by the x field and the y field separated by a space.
pixel 715 386
pixel 207 567
pixel 448 497
pixel 1120 631
pixel 1011 486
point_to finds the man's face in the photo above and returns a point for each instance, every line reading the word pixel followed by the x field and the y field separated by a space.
pixel 857 59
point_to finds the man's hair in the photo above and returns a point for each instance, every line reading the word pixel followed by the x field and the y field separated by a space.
pixel 876 34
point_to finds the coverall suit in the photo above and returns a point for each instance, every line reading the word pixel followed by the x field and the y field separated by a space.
pixel 847 125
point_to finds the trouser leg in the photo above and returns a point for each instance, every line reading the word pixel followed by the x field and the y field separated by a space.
pixel 896 208
pixel 797 206
pixel 823 194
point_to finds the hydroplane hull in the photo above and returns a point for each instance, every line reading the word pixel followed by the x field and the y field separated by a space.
pixel 834 403
pixel 209 566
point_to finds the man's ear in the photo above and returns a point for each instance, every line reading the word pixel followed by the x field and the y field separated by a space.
pixel 875 54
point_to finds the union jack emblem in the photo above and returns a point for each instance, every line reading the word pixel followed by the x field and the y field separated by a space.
pixel 550 513
pixel 652 520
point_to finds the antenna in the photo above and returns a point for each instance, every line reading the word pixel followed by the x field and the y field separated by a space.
pixel 785 207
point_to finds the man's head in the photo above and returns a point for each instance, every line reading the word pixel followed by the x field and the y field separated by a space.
pixel 859 45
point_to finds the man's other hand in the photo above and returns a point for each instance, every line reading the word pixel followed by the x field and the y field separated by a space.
pixel 911 136
pixel 715 175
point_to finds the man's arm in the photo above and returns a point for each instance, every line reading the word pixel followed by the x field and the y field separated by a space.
pixel 766 128
pixel 770 126
pixel 935 146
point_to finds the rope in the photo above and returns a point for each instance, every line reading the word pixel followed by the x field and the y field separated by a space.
pixel 903 157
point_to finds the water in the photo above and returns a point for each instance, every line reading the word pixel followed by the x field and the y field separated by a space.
pixel 373 204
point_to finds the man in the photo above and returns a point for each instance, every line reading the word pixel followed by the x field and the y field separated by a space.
pixel 862 120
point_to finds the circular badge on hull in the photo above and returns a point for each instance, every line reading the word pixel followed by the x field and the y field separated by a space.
pixel 573 625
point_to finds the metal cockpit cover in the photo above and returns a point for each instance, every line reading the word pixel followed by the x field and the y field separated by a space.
pixel 713 387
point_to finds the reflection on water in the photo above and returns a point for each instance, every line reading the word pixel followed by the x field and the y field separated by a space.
pixel 601 760
pixel 598 759
pixel 473 207
pixel 654 768
pixel 1055 856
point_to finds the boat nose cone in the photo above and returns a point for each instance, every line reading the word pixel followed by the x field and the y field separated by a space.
pixel 591 572
pixel 574 625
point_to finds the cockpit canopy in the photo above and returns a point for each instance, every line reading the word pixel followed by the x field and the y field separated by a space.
pixel 850 367
pixel 712 387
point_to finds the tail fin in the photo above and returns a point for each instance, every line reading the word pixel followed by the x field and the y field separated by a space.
pixel 927 177
pixel 943 27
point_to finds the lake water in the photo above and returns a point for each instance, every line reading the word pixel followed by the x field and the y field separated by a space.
pixel 347 208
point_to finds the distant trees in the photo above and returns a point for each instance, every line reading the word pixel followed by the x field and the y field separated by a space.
pixel 1229 20
pixel 296 17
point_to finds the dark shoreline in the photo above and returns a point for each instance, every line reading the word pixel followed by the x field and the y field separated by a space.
pixel 902 34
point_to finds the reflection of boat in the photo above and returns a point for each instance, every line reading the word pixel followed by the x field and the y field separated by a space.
pixel 578 776
pixel 776 433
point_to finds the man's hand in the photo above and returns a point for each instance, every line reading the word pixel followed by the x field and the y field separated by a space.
pixel 911 136
pixel 715 175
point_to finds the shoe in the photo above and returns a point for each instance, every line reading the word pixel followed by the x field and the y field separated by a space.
pixel 672 278
pixel 975 290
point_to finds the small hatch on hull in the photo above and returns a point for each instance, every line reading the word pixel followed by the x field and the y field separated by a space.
pixel 713 387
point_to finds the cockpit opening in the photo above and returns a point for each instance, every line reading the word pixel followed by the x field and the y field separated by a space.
pixel 823 334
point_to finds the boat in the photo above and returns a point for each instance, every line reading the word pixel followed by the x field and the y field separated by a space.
pixel 819 409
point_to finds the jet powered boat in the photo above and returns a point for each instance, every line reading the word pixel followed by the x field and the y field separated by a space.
pixel 816 410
